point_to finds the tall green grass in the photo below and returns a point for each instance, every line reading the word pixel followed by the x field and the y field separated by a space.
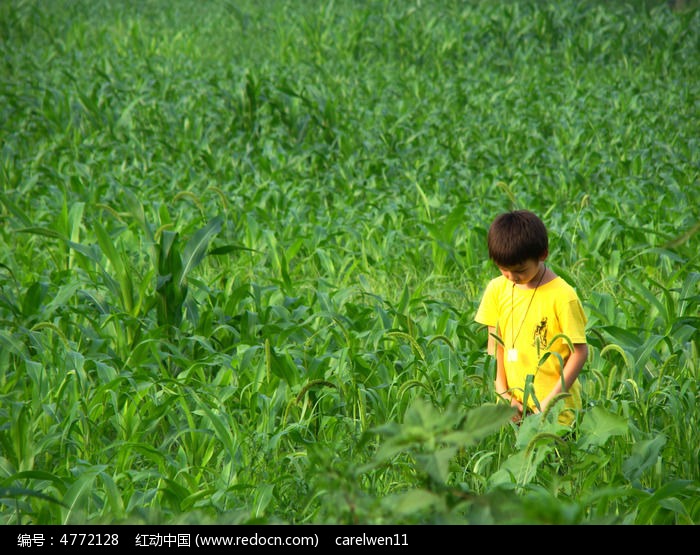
pixel 242 247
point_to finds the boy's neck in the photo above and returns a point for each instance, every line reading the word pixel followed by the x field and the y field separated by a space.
pixel 539 279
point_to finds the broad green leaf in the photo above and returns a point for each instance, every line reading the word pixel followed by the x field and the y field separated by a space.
pixel 670 497
pixel 480 422
pixel 413 501
pixel 437 463
pixel 520 468
pixel 644 456
pixel 598 426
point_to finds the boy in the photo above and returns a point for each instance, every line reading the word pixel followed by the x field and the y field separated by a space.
pixel 530 310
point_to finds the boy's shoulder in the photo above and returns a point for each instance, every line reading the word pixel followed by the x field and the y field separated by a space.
pixel 497 287
pixel 559 285
pixel 498 282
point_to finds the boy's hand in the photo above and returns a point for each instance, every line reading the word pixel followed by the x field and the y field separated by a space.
pixel 519 406
pixel 508 398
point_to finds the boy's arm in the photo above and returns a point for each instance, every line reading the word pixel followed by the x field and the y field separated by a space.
pixel 491 345
pixel 572 369
pixel 501 383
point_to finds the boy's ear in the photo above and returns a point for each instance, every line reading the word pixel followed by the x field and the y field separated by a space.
pixel 544 256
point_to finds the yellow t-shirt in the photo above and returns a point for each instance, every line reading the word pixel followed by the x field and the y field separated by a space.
pixel 527 321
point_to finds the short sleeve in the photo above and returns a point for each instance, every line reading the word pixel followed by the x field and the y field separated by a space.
pixel 573 320
pixel 487 313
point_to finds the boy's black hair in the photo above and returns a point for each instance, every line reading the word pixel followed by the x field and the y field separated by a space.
pixel 517 236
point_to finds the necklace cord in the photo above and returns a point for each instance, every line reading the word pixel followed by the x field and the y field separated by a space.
pixel 514 335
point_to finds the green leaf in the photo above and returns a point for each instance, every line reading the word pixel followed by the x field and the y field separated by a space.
pixel 644 456
pixel 33 299
pixel 196 248
pixel 480 422
pixel 15 493
pixel 668 497
pixel 437 463
pixel 413 501
pixel 598 426
pixel 114 497
pixel 122 275
pixel 76 495
pixel 15 210
pixel 43 232
pixel 283 366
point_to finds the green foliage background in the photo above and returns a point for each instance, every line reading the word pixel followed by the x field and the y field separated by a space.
pixel 242 244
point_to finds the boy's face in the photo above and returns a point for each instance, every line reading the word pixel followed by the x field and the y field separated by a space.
pixel 525 273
